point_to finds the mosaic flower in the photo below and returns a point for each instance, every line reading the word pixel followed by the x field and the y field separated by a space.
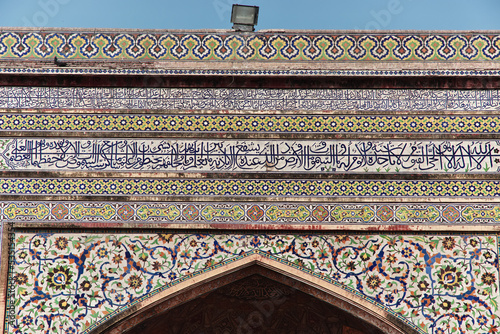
pixel 117 259
pixel 351 266
pixel 172 276
pixel 36 243
pixel 59 278
pixel 342 238
pixel 165 237
pixel 389 299
pixel 391 258
pixel 449 277
pixel 193 243
pixel 488 278
pixel 445 305
pixel 365 256
pixel 63 304
pixel 473 242
pixel 315 243
pixel 20 278
pixel 27 321
pixel 423 285
pixel 448 243
pixel 23 255
pixel 487 255
pixel 119 298
pixel 157 265
pixel 85 285
pixel 373 282
pixel 61 243
pixel 482 320
pixel 406 252
pixel 135 281
pixel 440 331
pixel 143 257
pixel 102 252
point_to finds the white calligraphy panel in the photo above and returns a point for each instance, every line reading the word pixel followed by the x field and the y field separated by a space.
pixel 200 155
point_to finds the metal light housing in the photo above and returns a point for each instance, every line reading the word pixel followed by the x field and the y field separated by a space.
pixel 244 18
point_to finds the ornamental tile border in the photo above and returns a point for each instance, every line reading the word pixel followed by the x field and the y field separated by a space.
pixel 250 99
pixel 389 47
pixel 383 73
pixel 86 278
pixel 241 213
pixel 248 188
pixel 210 123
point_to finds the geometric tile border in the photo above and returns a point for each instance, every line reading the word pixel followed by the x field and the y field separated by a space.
pixel 250 99
pixel 122 45
pixel 249 188
pixel 83 279
pixel 247 213
pixel 95 123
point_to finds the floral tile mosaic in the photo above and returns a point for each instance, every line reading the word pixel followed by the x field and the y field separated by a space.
pixel 257 46
pixel 249 99
pixel 132 123
pixel 249 213
pixel 72 282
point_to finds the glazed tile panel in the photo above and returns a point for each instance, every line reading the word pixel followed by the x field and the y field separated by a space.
pixel 95 123
pixel 248 188
pixel 242 213
pixel 255 46
pixel 83 279
pixel 206 155
pixel 250 99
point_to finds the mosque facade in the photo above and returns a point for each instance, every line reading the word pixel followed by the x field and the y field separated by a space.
pixel 309 181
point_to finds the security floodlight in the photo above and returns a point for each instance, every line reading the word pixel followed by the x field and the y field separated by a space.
pixel 244 17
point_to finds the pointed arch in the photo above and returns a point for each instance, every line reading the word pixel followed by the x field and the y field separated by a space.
pixel 230 272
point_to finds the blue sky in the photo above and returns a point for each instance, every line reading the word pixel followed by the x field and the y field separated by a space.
pixel 274 14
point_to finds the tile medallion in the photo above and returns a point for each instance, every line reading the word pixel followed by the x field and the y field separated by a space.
pixel 85 278
pixel 254 155
pixel 222 46
pixel 249 99
pixel 95 123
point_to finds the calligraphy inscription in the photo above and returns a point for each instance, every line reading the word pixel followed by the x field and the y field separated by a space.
pixel 248 99
pixel 251 155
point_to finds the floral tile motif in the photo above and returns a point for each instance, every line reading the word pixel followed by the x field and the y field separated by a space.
pixel 72 282
pixel 252 47
pixel 248 123
pixel 264 99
